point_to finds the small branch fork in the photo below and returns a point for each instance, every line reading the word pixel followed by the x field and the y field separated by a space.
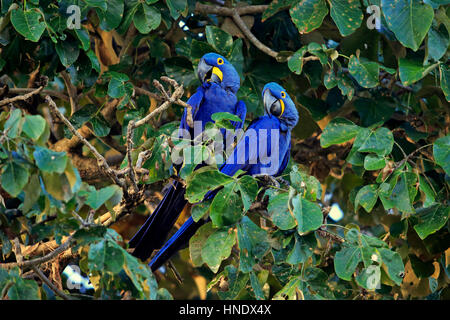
pixel 235 14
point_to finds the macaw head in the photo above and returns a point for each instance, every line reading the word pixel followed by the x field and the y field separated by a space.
pixel 278 103
pixel 214 68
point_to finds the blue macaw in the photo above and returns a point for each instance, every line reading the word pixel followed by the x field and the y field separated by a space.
pixel 217 93
pixel 258 158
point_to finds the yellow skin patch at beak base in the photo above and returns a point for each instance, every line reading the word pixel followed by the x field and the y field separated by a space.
pixel 282 107
pixel 218 73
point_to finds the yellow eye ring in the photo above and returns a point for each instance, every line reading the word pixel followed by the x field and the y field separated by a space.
pixel 219 61
pixel 283 94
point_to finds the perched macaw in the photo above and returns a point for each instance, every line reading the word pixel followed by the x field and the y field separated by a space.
pixel 217 93
pixel 254 158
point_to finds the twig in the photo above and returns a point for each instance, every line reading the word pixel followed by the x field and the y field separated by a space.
pixel 236 13
pixel 130 132
pixel 33 262
pixel 42 276
pixel 100 159
pixel 71 91
pixel 22 97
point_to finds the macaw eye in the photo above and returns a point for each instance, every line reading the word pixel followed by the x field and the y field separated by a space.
pixel 219 61
pixel 277 108
pixel 283 94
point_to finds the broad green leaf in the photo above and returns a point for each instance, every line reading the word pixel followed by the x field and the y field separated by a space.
pixel 441 152
pixel 367 197
pixel 24 289
pixel 111 18
pixel 14 178
pixel 308 215
pixel 32 192
pixel 236 283
pixel 365 72
pixel 394 265
pixel 256 285
pixel 411 71
pixel 96 198
pixel 438 42
pixel 225 116
pixel 14 123
pixel 57 185
pixel 248 188
pixel 34 126
pixel 218 247
pixel 102 4
pixel 28 23
pixel 200 210
pixel 429 193
pixel 253 244
pixel 203 180
pixel 402 195
pixel 177 7
pixel 219 39
pixel 337 131
pixel 409 20
pixel 68 52
pixel 347 14
pixel 226 207
pixel 374 162
pixel 302 249
pixel 279 213
pixel 444 72
pixel 295 62
pixel 100 125
pixel 49 160
pixel 147 18
pixel 431 219
pixel 308 14
pixel 369 278
pixel 197 242
pixel 346 261
pixel 276 6
pixel 379 141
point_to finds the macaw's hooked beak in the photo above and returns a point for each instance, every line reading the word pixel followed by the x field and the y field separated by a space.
pixel 268 101
pixel 208 73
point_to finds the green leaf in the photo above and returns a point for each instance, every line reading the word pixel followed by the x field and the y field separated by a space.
pixel 279 213
pixel 345 262
pixel 295 62
pixel 367 197
pixel 369 278
pixel 147 18
pixel 68 52
pixel 117 86
pixel 248 188
pixel 380 142
pixel 374 162
pixel 253 244
pixel 100 125
pixel 219 39
pixel 402 195
pixel 302 249
pixel 256 285
pixel 347 14
pixel 365 72
pixel 236 283
pixel 337 131
pixel 441 152
pixel 203 180
pixel 444 72
pixel 32 192
pixel 394 265
pixel 200 210
pixel 197 241
pixel 438 42
pixel 225 116
pixel 226 207
pixel 409 20
pixel 276 6
pixel 218 247
pixel 308 215
pixel 431 219
pixel 14 178
pixel 411 71
pixel 28 23
pixel 308 15
pixel 34 126
pixel 102 4
pixel 177 7
pixel 374 111
pixel 96 198
pixel 24 290
pixel 106 256
pixel 14 123
pixel 49 160
pixel 111 18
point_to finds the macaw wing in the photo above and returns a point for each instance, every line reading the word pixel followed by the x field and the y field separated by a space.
pixel 194 101
pixel 253 148
pixel 241 112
